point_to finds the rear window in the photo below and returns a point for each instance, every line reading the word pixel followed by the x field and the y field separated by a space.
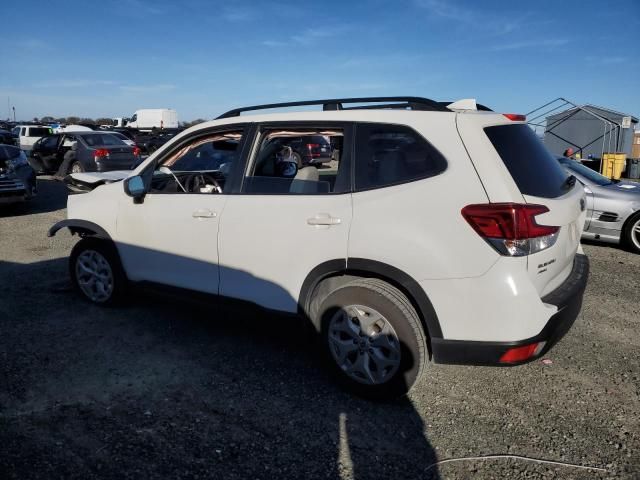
pixel 101 139
pixel 39 132
pixel 534 169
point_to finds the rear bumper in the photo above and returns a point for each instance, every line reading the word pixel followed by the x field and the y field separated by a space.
pixel 567 297
pixel 110 165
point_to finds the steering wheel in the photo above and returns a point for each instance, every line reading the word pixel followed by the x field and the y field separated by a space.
pixel 194 182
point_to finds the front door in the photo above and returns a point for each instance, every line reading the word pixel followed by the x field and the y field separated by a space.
pixel 171 237
pixel 286 219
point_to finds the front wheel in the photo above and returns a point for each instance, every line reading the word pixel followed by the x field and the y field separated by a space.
pixel 96 272
pixel 374 341
pixel 631 233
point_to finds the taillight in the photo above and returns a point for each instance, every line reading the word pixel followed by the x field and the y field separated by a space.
pixel 516 117
pixel 520 354
pixel 101 152
pixel 311 146
pixel 511 228
pixel 136 151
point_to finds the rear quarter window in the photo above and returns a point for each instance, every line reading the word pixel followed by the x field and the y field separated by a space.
pixel 393 154
pixel 533 168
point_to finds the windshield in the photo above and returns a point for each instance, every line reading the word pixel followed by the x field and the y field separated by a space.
pixel 580 169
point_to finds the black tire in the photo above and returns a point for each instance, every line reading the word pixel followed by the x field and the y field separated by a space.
pixel 108 251
pixel 400 314
pixel 75 164
pixel 628 233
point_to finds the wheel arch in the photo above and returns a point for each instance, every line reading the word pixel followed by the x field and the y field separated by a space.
pixel 334 273
pixel 83 228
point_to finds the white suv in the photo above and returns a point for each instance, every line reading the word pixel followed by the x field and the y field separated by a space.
pixel 438 232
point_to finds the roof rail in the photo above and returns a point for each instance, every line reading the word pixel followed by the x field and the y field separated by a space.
pixel 413 103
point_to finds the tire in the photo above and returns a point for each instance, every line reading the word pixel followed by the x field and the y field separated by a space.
pixel 631 233
pixel 298 159
pixel 99 255
pixel 373 364
pixel 75 167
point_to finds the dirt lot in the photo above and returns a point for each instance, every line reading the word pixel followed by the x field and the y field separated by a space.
pixel 163 389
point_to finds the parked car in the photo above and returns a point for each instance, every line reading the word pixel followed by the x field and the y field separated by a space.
pixel 124 138
pixel 30 134
pixel 17 178
pixel 149 142
pixel 6 137
pixel 613 206
pixel 424 208
pixel 310 150
pixel 83 151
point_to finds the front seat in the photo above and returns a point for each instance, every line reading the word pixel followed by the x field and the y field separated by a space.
pixel 309 184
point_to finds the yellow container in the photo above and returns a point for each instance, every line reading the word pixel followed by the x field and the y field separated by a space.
pixel 613 164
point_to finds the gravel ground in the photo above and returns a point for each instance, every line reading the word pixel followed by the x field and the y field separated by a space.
pixel 162 389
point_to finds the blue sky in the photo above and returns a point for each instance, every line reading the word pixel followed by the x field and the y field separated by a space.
pixel 109 58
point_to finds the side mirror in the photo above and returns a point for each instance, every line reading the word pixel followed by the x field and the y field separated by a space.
pixel 134 187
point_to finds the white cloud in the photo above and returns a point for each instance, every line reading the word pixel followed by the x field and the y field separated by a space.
pixel 159 87
pixel 606 60
pixel 309 36
pixel 238 14
pixel 545 43
pixel 74 83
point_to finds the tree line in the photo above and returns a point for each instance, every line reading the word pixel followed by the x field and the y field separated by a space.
pixel 72 120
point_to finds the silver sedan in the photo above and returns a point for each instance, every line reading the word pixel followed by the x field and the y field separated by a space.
pixel 613 206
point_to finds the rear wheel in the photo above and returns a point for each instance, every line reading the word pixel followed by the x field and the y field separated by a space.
pixel 76 167
pixel 96 271
pixel 631 233
pixel 373 339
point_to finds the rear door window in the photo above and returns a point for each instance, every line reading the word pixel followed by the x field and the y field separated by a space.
pixel 393 154
pixel 534 169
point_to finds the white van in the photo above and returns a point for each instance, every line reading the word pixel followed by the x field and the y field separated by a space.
pixel 149 118
pixel 30 134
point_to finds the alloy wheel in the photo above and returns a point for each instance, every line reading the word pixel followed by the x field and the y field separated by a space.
pixel 635 233
pixel 94 276
pixel 364 344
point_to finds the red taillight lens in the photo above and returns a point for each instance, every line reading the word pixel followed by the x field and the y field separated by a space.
pixel 311 146
pixel 101 152
pixel 516 117
pixel 520 354
pixel 136 151
pixel 510 227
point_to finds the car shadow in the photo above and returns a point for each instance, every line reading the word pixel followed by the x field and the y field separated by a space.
pixel 599 243
pixel 52 196
pixel 166 386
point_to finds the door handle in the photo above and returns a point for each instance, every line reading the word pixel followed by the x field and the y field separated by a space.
pixel 323 219
pixel 203 213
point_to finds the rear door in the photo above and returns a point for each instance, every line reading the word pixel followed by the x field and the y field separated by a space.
pixel 515 166
pixel 282 223
pixel 47 152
